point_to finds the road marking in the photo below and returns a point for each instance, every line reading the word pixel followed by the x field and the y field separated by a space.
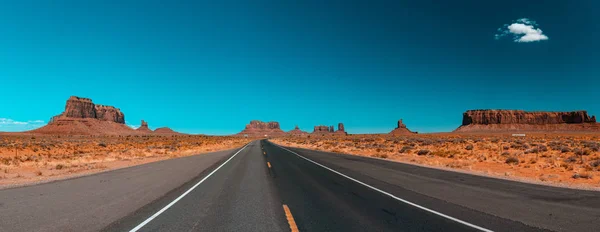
pixel 269 164
pixel 392 196
pixel 185 193
pixel 290 219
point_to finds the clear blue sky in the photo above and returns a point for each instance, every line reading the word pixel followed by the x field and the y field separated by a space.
pixel 206 67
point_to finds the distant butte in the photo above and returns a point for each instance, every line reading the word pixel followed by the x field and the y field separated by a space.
pixel 258 128
pixel 519 120
pixel 297 132
pixel 401 129
pixel 83 117
pixel 144 127
pixel 329 130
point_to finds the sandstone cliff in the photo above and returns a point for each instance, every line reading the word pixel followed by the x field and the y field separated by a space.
pixel 83 117
pixel 519 120
pixel 401 129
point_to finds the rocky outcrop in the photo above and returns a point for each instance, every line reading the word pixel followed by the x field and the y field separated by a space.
pixel 329 129
pixel 297 132
pixel 401 129
pixel 519 120
pixel 78 107
pixel 263 129
pixel 83 117
pixel 144 127
pixel 165 131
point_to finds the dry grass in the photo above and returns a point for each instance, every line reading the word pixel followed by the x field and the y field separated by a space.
pixel 568 159
pixel 29 158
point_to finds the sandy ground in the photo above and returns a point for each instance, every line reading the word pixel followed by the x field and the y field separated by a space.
pixel 30 159
pixel 566 160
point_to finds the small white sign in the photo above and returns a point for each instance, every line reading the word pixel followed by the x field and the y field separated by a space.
pixel 518 135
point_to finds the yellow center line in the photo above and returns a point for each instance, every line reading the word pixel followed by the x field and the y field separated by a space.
pixel 269 164
pixel 290 219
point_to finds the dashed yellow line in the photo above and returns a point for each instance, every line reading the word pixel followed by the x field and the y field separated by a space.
pixel 268 164
pixel 290 219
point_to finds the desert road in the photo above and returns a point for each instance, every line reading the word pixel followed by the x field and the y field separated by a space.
pixel 265 187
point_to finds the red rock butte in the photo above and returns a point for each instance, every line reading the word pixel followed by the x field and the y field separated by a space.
pixel 297 132
pixel 83 117
pixel 144 127
pixel 401 129
pixel 329 130
pixel 258 128
pixel 519 120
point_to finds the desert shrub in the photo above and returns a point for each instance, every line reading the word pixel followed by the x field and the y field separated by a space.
pixel 506 153
pixel 595 163
pixel 406 149
pixel 571 159
pixel 423 152
pixel 505 147
pixel 59 166
pixel 469 147
pixel 582 152
pixel 102 144
pixel 542 148
pixel 564 149
pixel 512 160
pixel 532 150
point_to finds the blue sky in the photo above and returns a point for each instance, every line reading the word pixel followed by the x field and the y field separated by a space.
pixel 207 67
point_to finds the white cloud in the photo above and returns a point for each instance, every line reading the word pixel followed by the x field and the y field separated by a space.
pixel 7 124
pixel 523 31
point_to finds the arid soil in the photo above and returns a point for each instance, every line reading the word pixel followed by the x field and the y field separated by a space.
pixel 27 158
pixel 568 160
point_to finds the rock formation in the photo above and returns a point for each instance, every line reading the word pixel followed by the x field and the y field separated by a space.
pixel 144 127
pixel 519 120
pixel 329 129
pixel 83 117
pixel 401 129
pixel 297 132
pixel 263 129
pixel 165 131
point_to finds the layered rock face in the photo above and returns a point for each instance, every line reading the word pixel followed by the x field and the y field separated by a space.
pixel 83 117
pixel 519 120
pixel 78 107
pixel 259 128
pixel 401 129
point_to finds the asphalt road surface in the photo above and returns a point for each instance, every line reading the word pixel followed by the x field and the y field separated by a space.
pixel 264 187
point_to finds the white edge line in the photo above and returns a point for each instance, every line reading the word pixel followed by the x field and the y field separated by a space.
pixel 390 195
pixel 185 193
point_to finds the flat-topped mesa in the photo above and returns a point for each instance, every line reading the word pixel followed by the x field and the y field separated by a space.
pixel 401 129
pixel 321 129
pixel 523 117
pixel 82 117
pixel 78 107
pixel 519 120
pixel 259 128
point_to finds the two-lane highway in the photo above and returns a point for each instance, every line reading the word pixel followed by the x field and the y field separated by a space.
pixel 265 187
